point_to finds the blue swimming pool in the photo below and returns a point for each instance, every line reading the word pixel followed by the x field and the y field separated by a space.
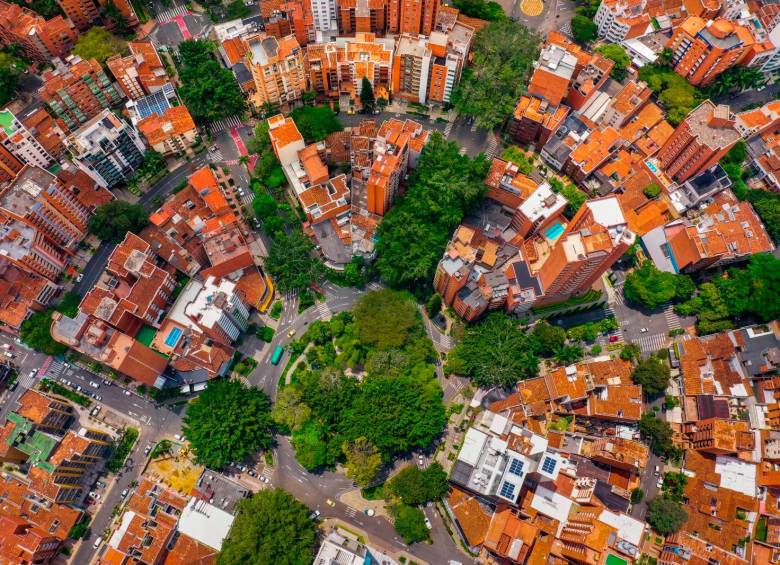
pixel 651 166
pixel 554 232
pixel 173 337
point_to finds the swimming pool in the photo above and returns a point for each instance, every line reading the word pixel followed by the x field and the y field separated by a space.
pixel 554 232
pixel 651 166
pixel 173 337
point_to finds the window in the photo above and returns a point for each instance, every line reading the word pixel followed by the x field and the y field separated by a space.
pixel 549 465
pixel 507 490
pixel 516 467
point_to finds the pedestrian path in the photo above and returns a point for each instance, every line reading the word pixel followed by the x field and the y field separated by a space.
pixel 216 156
pixel 652 343
pixel 323 311
pixel 448 129
pixel 224 124
pixel 55 369
pixel 672 319
pixel 374 286
pixel 493 148
pixel 566 29
pixel 26 380
pixel 166 16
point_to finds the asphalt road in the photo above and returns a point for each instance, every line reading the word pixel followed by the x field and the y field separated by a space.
pixel 163 187
pixel 738 102
pixel 92 270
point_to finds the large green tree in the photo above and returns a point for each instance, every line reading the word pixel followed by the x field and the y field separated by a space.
pixel 113 220
pixel 99 43
pixel 502 57
pixel 316 122
pixel 228 422
pixel 409 522
pixel 665 516
pixel 618 56
pixel 653 374
pixel 658 433
pixel 583 29
pixel 35 332
pixel 363 460
pixel 413 234
pixel 490 11
pixel 209 89
pixel 415 486
pixel 10 70
pixel 291 262
pixel 271 528
pixel 675 93
pixel 385 318
pixel 495 352
pixel 651 288
pixel 367 99
pixel 547 338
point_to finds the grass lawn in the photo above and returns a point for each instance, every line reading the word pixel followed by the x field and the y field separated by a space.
pixel 146 335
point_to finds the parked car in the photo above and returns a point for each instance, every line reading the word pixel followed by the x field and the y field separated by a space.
pixel 177 437
pixel 428 523
pixel 94 496
pixel 127 392
pixel 314 515
pixel 93 384
pixel 97 543
pixel 124 493
pixel 78 278
pixel 329 502
pixel 100 484
pixel 613 338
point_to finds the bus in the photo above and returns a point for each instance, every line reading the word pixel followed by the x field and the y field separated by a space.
pixel 277 355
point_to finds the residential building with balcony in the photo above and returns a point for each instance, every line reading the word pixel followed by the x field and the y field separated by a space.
pixel 141 72
pixel 278 69
pixel 172 133
pixel 107 149
pixel 40 39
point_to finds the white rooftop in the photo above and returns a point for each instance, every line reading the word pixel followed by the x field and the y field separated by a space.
pixel 607 211
pixel 628 528
pixel 205 523
pixel 542 203
pixel 736 475
pixel 551 504
pixel 472 446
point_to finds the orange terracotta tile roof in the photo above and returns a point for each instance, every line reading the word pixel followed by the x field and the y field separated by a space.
pixel 15 500
pixel 35 406
pixel 234 50
pixel 176 121
pixel 283 132
pixel 506 529
pixel 619 402
pixel 473 519
pixel 187 551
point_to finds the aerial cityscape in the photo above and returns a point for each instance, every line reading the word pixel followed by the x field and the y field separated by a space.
pixel 389 282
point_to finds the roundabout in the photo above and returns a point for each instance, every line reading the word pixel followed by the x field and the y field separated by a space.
pixel 531 8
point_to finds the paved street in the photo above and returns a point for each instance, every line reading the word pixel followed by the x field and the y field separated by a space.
pixel 738 102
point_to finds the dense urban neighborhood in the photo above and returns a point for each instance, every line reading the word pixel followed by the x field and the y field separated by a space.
pixel 389 282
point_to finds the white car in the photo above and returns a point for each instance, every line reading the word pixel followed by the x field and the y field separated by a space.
pixel 93 384
pixel 78 278
pixel 97 543
pixel 428 523
pixel 124 493
pixel 127 392
pixel 94 496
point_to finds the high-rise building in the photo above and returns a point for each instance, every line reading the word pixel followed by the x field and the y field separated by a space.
pixel 40 39
pixel 618 20
pixel 362 16
pixel 704 136
pixel 78 90
pixel 278 69
pixel 84 13
pixel 701 49
pixel 107 149
pixel 593 240
pixel 325 17
pixel 338 67
pixel 9 165
pixel 413 16
pixel 141 72
pixel 20 141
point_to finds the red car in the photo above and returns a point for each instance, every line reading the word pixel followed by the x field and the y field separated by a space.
pixel 613 338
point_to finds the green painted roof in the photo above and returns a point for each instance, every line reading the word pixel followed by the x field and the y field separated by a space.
pixel 6 121
pixel 38 446
pixel 615 560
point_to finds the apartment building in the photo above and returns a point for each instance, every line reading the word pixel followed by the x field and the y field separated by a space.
pixel 107 149
pixel 171 133
pixel 413 16
pixel 40 39
pixel 534 120
pixel 325 16
pixel 133 291
pixel 700 141
pixel 553 72
pixel 702 49
pixel 84 13
pixel 362 16
pixel 141 72
pixel 278 69
pixel 618 20
pixel 393 149
pixel 78 90
pixel 24 144
pixel 338 68
pixel 725 231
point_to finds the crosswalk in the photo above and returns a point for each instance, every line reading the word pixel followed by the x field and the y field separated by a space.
pixel 374 286
pixel 225 124
pixel 26 380
pixel 216 156
pixel 566 29
pixel 351 512
pixel 652 343
pixel 492 148
pixel 323 311
pixel 55 369
pixel 167 15
pixel 448 129
pixel 672 319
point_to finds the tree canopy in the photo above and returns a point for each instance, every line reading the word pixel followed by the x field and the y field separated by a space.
pixel 651 288
pixel 495 352
pixel 658 433
pixel 291 261
pixel 548 338
pixel 653 374
pixel 674 92
pixel 367 99
pixel 271 528
pixel 316 122
pixel 113 220
pixel 36 333
pixel 413 485
pixel 409 522
pixel 490 11
pixel 384 319
pixel 99 43
pixel 228 422
pixel 748 293
pixel 503 54
pixel 665 516
pixel 10 69
pixel 413 234
pixel 617 55
pixel 583 29
pixel 46 8
pixel 209 89
pixel 396 406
